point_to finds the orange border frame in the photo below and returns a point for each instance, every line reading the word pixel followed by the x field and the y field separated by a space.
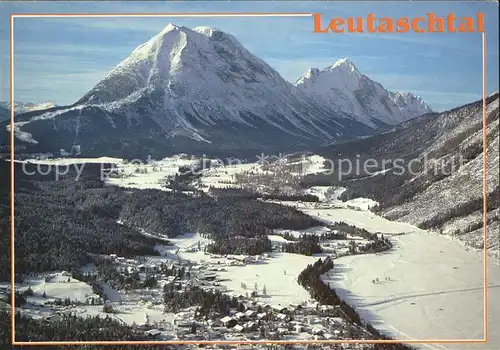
pixel 341 341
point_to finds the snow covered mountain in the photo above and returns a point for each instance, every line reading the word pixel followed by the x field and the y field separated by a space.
pixel 410 106
pixel 343 87
pixel 189 90
pixel 21 107
pixel 199 90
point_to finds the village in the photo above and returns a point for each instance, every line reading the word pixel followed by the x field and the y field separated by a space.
pixel 133 291
pixel 161 295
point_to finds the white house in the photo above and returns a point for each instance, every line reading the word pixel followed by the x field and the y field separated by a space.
pixel 238 328
pixel 281 316
pixel 64 153
pixel 249 313
pixel 261 315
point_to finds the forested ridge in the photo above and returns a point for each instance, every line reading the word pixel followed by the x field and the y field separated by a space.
pixel 441 144
pixel 57 223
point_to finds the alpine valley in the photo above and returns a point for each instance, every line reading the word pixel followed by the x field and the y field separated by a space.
pixel 221 247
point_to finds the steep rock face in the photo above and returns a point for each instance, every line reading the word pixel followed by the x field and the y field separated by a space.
pixel 410 106
pixel 442 189
pixel 350 92
pixel 452 203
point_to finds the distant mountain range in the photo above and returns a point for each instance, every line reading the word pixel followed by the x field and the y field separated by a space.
pixel 343 88
pixel 199 90
pixel 22 108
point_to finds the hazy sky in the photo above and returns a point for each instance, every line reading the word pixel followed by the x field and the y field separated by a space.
pixel 59 59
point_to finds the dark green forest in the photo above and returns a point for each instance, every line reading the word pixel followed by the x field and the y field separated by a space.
pixel 69 327
pixel 58 223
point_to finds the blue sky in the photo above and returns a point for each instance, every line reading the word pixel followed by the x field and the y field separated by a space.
pixel 59 59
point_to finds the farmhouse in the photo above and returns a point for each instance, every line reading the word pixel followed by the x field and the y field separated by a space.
pixel 153 333
pixel 249 313
pixel 238 328
pixel 228 321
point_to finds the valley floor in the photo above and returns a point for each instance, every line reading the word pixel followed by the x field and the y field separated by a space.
pixel 429 286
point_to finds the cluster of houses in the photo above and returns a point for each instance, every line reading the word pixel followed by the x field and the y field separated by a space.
pixel 132 265
pixel 260 321
pixel 235 260
pixel 195 275
pixel 278 322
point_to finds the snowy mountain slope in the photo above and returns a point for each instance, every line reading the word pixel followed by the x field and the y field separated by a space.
pixel 442 189
pixel 350 92
pixel 21 107
pixel 409 105
pixel 442 203
pixel 191 91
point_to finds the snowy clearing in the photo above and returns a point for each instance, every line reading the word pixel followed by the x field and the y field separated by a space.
pixel 278 274
pixel 60 286
pixel 432 278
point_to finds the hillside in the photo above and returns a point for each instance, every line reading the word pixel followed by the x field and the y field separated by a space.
pixel 433 173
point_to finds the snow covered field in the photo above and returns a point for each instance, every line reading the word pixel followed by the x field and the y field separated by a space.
pixel 278 274
pixel 432 279
pixel 338 211
pixel 149 175
pixel 224 176
pixel 60 286
pixel 435 289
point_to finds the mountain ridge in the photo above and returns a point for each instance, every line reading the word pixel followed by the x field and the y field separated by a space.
pixel 189 90
pixel 21 107
pixel 345 87
pixel 443 191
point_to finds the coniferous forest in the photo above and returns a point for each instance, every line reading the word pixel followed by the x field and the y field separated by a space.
pixel 70 327
pixel 59 222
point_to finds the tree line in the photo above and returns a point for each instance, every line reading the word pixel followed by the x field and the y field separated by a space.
pixel 207 301
pixel 305 245
pixel 249 194
pixel 310 279
pixel 58 223
pixel 69 328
